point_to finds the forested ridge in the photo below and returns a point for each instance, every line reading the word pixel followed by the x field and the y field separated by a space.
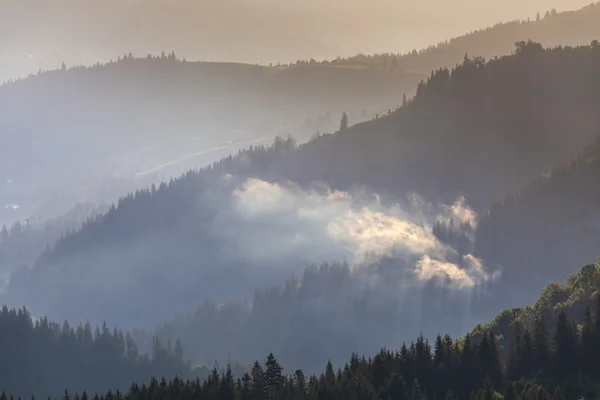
pixel 509 117
pixel 551 222
pixel 550 354
pixel 550 28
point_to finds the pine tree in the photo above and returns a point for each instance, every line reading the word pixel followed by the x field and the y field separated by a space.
pixel 416 393
pixel 438 352
pixel 489 359
pixel 178 350
pixel 396 387
pixel 526 359
pixel 540 344
pixel 344 122
pixel 588 354
pixel 227 391
pixel 558 394
pixel 565 344
pixel 246 387
pixel 258 381
pixel 510 393
pixel 273 375
pixel 487 391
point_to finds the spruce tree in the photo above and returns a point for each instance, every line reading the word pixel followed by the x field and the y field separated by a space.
pixel 565 345
pixel 510 393
pixel 273 375
pixel 396 387
pixel 540 344
pixel 416 393
pixel 344 122
pixel 526 358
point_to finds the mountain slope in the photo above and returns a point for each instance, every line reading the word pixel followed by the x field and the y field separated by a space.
pixel 549 225
pixel 479 130
pixel 567 28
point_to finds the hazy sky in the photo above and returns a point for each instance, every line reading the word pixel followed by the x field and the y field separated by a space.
pixel 42 33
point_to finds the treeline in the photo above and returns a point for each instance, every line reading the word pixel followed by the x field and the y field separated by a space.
pixel 43 358
pixel 549 28
pixel 332 312
pixel 561 361
pixel 327 313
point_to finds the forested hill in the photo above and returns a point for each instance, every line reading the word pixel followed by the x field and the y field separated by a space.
pixel 524 354
pixel 549 226
pixel 578 298
pixel 138 116
pixel 479 130
pixel 550 28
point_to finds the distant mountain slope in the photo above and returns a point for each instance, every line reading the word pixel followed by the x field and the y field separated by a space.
pixel 22 242
pixel 237 30
pixel 567 28
pixel 479 130
pixel 549 226
pixel 63 129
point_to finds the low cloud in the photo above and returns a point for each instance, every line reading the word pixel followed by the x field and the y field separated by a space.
pixel 466 275
pixel 283 220
pixel 460 211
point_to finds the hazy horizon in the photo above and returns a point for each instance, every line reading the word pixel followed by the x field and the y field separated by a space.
pixel 261 31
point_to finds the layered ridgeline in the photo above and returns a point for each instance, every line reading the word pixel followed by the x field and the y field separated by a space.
pixel 549 226
pixel 550 28
pixel 544 352
pixel 175 115
pixel 478 130
pixel 136 117
pixel 267 31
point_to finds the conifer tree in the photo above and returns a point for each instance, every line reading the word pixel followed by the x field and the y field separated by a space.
pixel 344 122
pixel 540 344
